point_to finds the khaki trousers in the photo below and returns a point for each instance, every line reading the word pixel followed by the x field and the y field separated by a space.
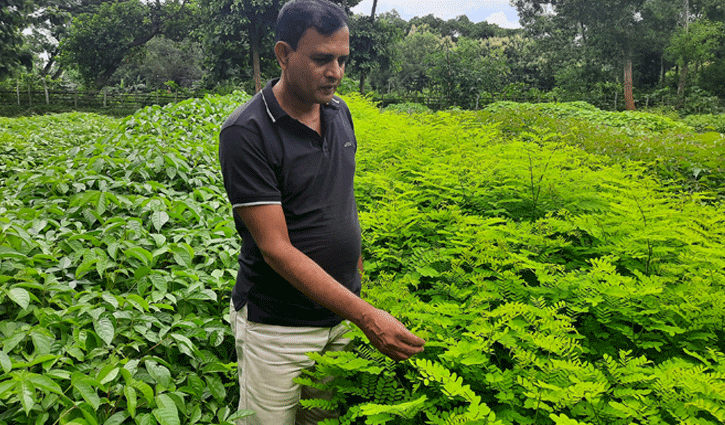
pixel 270 358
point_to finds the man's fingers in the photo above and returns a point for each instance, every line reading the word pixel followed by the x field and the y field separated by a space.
pixel 413 340
pixel 393 339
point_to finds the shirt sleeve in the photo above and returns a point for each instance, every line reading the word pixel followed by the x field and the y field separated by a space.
pixel 249 179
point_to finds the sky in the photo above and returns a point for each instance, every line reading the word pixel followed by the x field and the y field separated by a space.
pixel 497 12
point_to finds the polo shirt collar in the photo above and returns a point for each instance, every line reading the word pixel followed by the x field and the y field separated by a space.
pixel 275 111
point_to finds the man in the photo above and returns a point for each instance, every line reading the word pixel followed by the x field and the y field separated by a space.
pixel 288 161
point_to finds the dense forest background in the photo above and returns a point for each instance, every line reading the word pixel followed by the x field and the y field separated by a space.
pixel 614 54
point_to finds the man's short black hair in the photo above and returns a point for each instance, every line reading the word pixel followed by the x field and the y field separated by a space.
pixel 297 15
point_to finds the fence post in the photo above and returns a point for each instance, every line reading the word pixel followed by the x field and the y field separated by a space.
pixel 105 93
pixel 17 90
pixel 75 99
pixel 616 93
pixel 30 98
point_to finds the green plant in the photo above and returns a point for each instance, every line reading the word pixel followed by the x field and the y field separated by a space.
pixel 554 277
pixel 552 285
pixel 114 267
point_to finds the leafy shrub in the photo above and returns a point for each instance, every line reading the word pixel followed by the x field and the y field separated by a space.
pixel 114 266
pixel 554 285
pixel 683 160
pixel 705 123
pixel 630 121
pixel 407 107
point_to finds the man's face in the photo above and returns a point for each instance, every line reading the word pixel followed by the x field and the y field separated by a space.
pixel 316 68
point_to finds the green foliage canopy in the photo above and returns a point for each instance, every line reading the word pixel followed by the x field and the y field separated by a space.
pixel 98 43
pixel 13 19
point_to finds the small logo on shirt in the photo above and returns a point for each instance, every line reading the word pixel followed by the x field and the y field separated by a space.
pixel 347 144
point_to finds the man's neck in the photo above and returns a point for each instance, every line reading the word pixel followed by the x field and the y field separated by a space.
pixel 302 111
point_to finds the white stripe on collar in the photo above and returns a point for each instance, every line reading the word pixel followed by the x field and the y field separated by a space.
pixel 266 106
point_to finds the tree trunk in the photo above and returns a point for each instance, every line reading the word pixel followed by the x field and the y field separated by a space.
pixel 628 85
pixel 254 44
pixel 683 81
pixel 362 83
pixel 685 60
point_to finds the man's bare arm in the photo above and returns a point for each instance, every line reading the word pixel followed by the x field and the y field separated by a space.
pixel 268 227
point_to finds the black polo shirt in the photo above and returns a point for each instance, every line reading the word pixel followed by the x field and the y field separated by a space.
pixel 268 157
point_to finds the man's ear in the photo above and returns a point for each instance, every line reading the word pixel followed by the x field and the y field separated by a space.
pixel 282 50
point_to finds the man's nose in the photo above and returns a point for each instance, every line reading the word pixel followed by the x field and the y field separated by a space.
pixel 335 70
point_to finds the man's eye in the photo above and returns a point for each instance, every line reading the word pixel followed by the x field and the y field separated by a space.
pixel 342 61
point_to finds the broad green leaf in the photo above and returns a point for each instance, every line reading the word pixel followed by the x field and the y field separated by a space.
pixel 45 383
pixel 89 413
pixel 6 386
pixel 5 362
pixel 139 253
pixel 87 265
pixel 130 393
pixel 44 358
pixel 166 412
pixel 138 302
pixel 215 387
pixel 65 262
pixel 182 256
pixel 39 225
pixel 42 341
pixel 9 343
pixel 145 419
pixel 216 338
pixel 239 414
pixel 108 373
pixel 112 249
pixel 104 329
pixel 195 415
pixel 131 365
pixel 145 389
pixel 20 296
pixel 90 216
pixel 216 367
pixel 141 272
pixel 160 241
pixel 109 298
pixel 7 252
pixel 160 373
pixel 42 418
pixel 160 282
pixel 158 219
pixel 102 204
pixel 116 419
pixel 26 395
pixel 87 391
pixel 185 345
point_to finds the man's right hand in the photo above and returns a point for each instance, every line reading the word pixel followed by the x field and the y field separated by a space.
pixel 390 336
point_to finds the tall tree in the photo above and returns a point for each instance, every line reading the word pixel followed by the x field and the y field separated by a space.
pixel 14 17
pixel 608 26
pixel 235 26
pixel 52 20
pixel 99 42
pixel 415 52
pixel 695 43
pixel 371 45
